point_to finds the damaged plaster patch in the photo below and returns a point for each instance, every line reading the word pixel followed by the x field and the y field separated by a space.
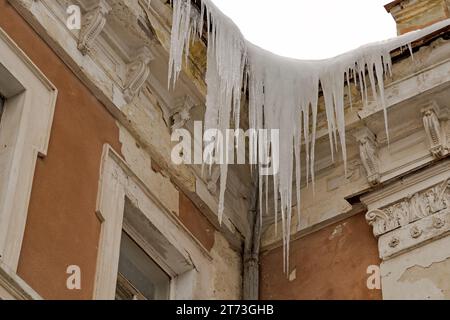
pixel 227 270
pixel 149 125
pixel 421 273
pixel 337 232
pixel 437 274
pixel 293 275
pixel 128 15
pixel 141 163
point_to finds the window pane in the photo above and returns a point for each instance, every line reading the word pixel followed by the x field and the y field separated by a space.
pixel 139 276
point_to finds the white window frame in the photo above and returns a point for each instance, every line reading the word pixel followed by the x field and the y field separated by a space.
pixel 12 287
pixel 25 130
pixel 187 262
pixel 24 136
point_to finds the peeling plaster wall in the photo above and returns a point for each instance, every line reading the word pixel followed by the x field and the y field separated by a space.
pixel 328 264
pixel 141 164
pixel 423 273
pixel 149 126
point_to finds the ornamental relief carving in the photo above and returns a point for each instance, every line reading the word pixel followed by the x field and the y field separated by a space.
pixel 421 205
pixel 434 131
pixel 368 151
pixel 138 72
pixel 93 24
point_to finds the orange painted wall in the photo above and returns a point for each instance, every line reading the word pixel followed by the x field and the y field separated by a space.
pixel 330 264
pixel 196 222
pixel 62 228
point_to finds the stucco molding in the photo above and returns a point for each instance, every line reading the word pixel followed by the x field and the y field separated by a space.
pixel 368 150
pixel 436 135
pixel 12 287
pixel 418 206
pixel 182 113
pixel 24 136
pixel 93 23
pixel 138 72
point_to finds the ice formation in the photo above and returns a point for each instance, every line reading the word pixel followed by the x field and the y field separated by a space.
pixel 283 92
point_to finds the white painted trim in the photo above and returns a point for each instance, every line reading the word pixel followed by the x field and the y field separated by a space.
pixel 24 135
pixel 116 183
pixel 12 287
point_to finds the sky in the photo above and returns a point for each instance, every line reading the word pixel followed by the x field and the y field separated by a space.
pixel 310 29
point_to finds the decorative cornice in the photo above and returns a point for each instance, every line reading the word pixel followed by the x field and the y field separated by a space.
pixel 406 186
pixel 415 234
pixel 411 209
pixel 412 221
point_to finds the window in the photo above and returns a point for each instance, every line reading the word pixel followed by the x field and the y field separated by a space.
pixel 144 251
pixel 27 104
pixel 139 277
pixel 28 107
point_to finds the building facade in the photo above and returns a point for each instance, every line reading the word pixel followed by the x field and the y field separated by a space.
pixel 93 207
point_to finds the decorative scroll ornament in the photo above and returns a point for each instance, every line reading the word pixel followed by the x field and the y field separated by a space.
pixel 433 129
pixel 368 151
pixel 93 24
pixel 182 114
pixel 138 72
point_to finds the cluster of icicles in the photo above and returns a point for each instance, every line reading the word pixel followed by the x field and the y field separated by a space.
pixel 283 92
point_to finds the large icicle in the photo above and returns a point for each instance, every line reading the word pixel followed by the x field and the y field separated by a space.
pixel 283 92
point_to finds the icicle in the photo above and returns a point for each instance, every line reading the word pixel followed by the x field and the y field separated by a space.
pixel 282 93
pixel 275 200
pixel 411 51
pixel 298 173
pixel 350 100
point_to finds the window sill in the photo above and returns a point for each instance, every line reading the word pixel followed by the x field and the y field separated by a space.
pixel 12 287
